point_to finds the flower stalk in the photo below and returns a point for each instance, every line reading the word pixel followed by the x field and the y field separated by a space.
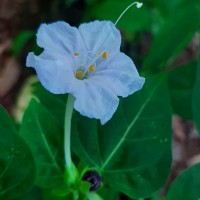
pixel 67 130
pixel 71 172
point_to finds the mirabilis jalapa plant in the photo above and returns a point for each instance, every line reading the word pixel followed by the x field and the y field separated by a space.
pixel 86 63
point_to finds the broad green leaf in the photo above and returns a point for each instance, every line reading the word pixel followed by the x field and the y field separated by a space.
pixel 134 19
pixel 17 166
pixel 45 137
pixel 186 185
pixel 133 150
pixel 173 36
pixel 94 196
pixel 108 193
pixel 55 104
pixel 34 194
pixel 196 98
pixel 181 82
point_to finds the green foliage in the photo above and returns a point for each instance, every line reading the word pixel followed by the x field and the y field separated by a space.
pixel 132 152
pixel 134 146
pixel 186 185
pixel 196 98
pixel 181 82
pixel 134 20
pixel 17 166
pixel 172 37
pixel 20 40
pixel 34 194
pixel 45 138
pixel 108 193
pixel 54 103
pixel 164 6
pixel 23 40
pixel 90 2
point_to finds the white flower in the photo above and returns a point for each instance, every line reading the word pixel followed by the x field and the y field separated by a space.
pixel 87 63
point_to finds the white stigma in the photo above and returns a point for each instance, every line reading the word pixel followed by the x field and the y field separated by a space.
pixel 138 5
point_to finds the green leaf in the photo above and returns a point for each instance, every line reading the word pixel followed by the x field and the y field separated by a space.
pixel 172 37
pixel 45 137
pixel 164 6
pixel 134 147
pixel 55 104
pixel 186 185
pixel 20 41
pixel 90 2
pixel 134 19
pixel 181 82
pixel 81 192
pixel 94 196
pixel 108 193
pixel 196 98
pixel 34 194
pixel 17 166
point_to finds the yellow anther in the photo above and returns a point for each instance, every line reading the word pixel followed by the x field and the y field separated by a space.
pixel 79 74
pixel 76 54
pixel 104 55
pixel 91 68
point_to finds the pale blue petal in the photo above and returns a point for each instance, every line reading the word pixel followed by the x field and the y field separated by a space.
pixel 94 100
pixel 54 72
pixel 100 36
pixel 120 74
pixel 60 37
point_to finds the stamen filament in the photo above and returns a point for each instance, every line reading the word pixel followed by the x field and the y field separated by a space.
pixel 138 5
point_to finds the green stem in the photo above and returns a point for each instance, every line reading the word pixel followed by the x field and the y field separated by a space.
pixel 67 129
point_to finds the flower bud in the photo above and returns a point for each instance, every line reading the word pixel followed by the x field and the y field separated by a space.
pixel 93 178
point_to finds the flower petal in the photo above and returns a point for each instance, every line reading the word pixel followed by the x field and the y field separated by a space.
pixel 60 36
pixel 69 51
pixel 55 73
pixel 95 100
pixel 100 36
pixel 120 74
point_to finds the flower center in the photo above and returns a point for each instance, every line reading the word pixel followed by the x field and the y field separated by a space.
pixel 83 72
